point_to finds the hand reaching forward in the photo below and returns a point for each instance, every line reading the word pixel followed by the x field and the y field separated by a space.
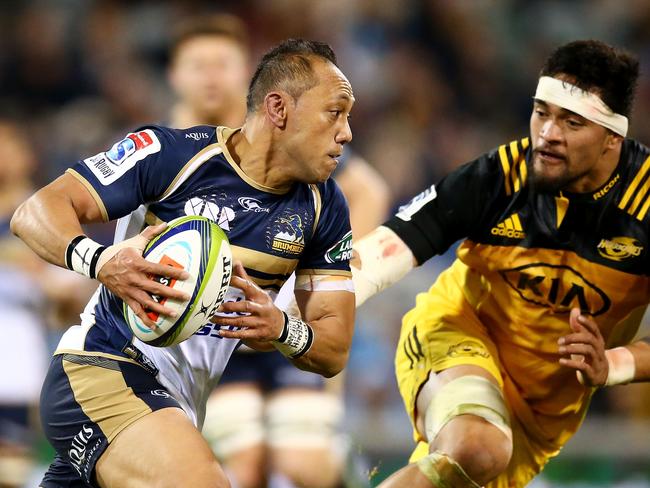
pixel 123 270
pixel 261 320
pixel 584 350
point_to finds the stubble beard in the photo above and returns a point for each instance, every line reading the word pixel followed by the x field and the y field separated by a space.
pixel 544 183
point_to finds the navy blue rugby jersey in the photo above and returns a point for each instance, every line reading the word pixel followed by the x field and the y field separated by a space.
pixel 157 174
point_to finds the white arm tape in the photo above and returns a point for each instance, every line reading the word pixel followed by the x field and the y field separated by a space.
pixel 323 283
pixel 385 259
pixel 296 338
pixel 138 242
pixel 621 366
pixel 82 255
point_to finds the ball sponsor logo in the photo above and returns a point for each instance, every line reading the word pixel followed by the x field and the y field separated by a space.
pixel 166 260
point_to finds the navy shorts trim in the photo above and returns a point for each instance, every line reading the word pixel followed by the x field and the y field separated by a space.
pixel 85 402
pixel 270 370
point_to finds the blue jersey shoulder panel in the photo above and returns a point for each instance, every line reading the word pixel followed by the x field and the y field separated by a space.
pixel 139 168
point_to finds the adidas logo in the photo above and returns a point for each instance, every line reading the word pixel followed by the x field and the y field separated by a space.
pixel 510 228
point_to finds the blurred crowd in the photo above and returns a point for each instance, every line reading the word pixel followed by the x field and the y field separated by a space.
pixel 437 82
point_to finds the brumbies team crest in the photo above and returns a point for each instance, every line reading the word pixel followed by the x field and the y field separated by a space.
pixel 287 235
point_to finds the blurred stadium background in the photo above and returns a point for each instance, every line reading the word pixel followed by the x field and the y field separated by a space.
pixel 437 82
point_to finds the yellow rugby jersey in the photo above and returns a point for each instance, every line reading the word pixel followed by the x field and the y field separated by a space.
pixel 534 256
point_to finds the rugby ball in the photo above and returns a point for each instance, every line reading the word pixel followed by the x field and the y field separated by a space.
pixel 200 247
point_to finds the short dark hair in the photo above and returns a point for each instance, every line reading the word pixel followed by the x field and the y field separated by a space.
pixel 594 65
pixel 219 25
pixel 287 66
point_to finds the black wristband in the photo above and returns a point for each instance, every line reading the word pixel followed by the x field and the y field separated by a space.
pixel 70 248
pixel 285 329
pixel 93 262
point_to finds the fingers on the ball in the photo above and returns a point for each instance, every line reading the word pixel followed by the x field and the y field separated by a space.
pixel 249 288
pixel 161 290
pixel 152 231
pixel 145 300
pixel 164 270
pixel 242 306
pixel 239 270
pixel 241 334
pixel 140 312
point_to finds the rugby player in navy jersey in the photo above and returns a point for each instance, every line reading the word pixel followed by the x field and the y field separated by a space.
pixel 498 361
pixel 121 413
pixel 267 421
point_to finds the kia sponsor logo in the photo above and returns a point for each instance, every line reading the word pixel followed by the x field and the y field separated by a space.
pixel 557 287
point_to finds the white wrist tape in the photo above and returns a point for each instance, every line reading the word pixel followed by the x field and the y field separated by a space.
pixel 587 104
pixel 621 366
pixel 82 255
pixel 138 242
pixel 385 259
pixel 296 338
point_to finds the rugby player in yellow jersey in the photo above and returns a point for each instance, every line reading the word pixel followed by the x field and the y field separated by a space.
pixel 498 361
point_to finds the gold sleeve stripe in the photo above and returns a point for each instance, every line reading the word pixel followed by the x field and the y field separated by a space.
pixel 337 272
pixel 523 171
pixel 640 195
pixel 644 209
pixel 514 151
pixel 505 165
pixel 261 261
pixel 92 191
pixel 191 166
pixel 635 183
pixel 513 163
pixel 318 204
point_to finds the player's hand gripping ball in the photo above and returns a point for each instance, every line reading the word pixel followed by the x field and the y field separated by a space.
pixel 201 248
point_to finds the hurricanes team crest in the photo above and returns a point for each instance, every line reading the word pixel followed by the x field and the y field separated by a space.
pixel 289 237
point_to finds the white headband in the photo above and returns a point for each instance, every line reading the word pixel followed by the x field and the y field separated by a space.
pixel 584 103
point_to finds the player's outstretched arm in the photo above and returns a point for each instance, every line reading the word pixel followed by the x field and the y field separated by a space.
pixel 380 259
pixel 319 342
pixel 52 217
pixel 50 220
pixel 584 350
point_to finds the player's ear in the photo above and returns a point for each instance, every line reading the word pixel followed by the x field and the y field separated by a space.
pixel 275 106
pixel 613 140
